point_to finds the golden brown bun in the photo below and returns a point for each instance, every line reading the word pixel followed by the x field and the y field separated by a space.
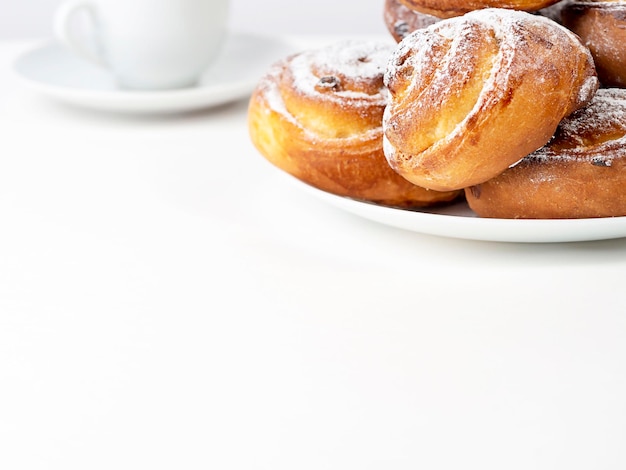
pixel 602 27
pixel 401 20
pixel 450 8
pixel 472 95
pixel 317 115
pixel 580 173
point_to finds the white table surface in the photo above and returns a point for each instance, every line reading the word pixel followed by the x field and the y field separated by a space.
pixel 169 301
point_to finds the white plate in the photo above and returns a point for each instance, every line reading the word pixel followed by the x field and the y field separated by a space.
pixel 54 71
pixel 458 221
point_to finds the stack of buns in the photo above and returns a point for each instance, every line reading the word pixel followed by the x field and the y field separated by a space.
pixel 517 106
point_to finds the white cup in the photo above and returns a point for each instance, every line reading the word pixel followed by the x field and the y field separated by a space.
pixel 146 44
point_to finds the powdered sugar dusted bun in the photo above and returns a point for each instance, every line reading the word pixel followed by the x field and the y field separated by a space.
pixel 318 116
pixel 450 8
pixel 401 20
pixel 602 27
pixel 580 173
pixel 474 94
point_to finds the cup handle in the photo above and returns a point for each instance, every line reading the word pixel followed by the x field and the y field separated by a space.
pixel 66 31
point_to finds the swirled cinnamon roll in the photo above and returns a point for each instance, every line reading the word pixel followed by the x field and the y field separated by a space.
pixel 580 173
pixel 450 8
pixel 602 27
pixel 317 115
pixel 472 95
pixel 401 20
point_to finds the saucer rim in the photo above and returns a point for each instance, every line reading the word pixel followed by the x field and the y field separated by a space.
pixel 148 101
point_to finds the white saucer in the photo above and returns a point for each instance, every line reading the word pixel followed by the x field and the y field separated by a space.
pixel 54 71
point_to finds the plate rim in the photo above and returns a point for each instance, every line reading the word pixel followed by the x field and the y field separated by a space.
pixel 428 221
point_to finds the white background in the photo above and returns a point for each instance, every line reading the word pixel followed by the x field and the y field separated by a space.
pixel 166 304
pixel 31 18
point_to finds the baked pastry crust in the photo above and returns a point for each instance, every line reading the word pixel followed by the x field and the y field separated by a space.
pixel 472 95
pixel 450 8
pixel 317 115
pixel 581 173
pixel 602 27
pixel 400 20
